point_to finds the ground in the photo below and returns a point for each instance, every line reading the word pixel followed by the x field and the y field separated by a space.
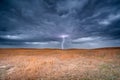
pixel 55 64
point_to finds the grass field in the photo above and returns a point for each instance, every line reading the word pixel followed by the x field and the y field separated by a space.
pixel 55 64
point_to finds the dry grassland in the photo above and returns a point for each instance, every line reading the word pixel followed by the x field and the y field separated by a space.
pixel 55 64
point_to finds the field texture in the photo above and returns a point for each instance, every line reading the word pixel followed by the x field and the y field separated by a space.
pixel 55 64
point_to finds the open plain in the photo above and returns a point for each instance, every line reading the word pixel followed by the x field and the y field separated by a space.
pixel 56 64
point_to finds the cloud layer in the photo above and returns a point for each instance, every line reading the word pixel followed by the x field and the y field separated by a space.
pixel 39 23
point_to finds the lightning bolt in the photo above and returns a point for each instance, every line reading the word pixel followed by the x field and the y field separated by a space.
pixel 63 40
pixel 62 44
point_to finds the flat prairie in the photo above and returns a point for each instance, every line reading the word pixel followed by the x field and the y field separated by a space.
pixel 56 64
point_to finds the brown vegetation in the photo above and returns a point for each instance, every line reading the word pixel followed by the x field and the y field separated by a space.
pixel 55 64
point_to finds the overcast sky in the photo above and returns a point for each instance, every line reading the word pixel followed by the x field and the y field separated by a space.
pixel 40 23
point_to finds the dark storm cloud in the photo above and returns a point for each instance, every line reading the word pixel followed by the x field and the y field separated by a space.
pixel 89 23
